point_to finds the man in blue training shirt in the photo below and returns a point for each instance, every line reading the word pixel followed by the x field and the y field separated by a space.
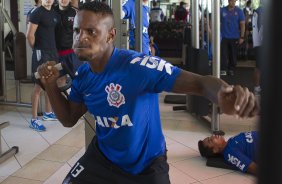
pixel 128 10
pixel 119 88
pixel 239 151
pixel 232 30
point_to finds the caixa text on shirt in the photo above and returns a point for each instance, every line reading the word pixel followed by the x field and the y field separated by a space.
pixel 153 63
pixel 235 161
pixel 249 137
pixel 113 122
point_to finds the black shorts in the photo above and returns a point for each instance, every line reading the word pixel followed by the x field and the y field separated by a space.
pixel 258 57
pixel 94 168
pixel 41 56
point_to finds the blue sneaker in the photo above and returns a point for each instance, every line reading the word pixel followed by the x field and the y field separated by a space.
pixel 36 125
pixel 49 116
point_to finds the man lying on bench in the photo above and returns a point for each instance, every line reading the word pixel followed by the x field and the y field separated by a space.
pixel 239 151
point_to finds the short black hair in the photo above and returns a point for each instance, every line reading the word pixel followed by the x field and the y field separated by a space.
pixel 36 1
pixel 249 3
pixel 206 151
pixel 97 7
pixel 154 3
pixel 181 3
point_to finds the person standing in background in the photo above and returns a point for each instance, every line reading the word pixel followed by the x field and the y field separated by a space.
pixel 181 13
pixel 41 38
pixel 64 36
pixel 257 42
pixel 37 4
pixel 156 13
pixel 232 21
pixel 128 12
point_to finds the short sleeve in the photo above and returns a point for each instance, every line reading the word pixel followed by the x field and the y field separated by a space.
pixel 241 15
pixel 154 74
pixel 74 95
pixel 35 16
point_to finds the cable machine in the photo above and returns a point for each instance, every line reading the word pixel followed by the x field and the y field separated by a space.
pixel 18 56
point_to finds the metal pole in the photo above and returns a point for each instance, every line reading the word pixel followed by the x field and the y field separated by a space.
pixel 2 67
pixel 202 24
pixel 195 43
pixel 195 24
pixel 216 56
pixel 138 25
pixel 121 40
pixel 208 25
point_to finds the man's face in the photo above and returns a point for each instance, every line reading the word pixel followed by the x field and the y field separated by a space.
pixel 91 35
pixel 232 3
pixel 214 142
pixel 47 2
pixel 64 3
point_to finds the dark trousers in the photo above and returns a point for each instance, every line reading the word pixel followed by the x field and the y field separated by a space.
pixel 228 53
pixel 94 168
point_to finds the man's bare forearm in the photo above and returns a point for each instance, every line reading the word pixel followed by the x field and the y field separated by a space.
pixel 61 106
pixel 31 41
pixel 194 84
pixel 242 29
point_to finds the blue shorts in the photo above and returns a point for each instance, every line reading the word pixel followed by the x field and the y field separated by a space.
pixel 41 56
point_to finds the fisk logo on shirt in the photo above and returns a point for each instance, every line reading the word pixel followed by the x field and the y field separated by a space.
pixel 154 63
pixel 235 161
pixel 115 97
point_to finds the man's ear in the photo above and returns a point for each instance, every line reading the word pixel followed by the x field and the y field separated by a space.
pixel 111 35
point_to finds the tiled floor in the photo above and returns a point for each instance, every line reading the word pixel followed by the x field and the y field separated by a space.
pixel 46 157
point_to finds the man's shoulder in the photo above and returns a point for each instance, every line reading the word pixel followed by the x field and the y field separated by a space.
pixel 156 9
pixel 72 9
pixel 237 8
pixel 37 10
pixel 127 54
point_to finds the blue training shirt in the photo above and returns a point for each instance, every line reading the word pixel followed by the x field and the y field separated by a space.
pixel 241 150
pixel 128 7
pixel 230 22
pixel 124 102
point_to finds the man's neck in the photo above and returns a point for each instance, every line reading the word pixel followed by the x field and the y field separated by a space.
pixel 48 7
pixel 63 7
pixel 98 65
pixel 231 7
pixel 223 147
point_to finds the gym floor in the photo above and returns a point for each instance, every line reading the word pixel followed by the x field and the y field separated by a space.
pixel 46 157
